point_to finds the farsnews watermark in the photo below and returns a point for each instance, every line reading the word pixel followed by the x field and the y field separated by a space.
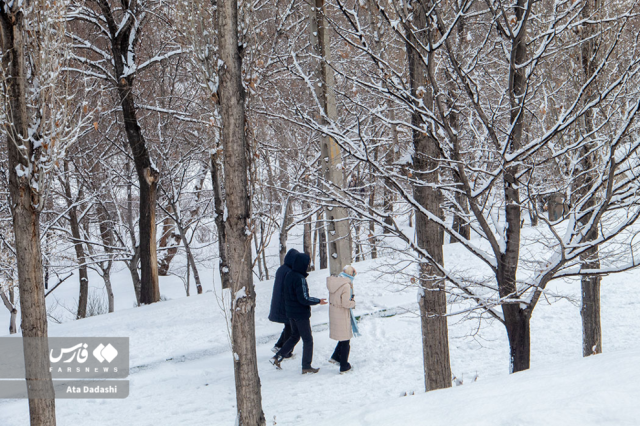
pixel 81 367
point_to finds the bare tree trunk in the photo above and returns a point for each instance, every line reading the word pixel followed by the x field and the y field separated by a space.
pixel 373 242
pixel 264 251
pixel 258 257
pixel 322 240
pixel 77 245
pixel 107 284
pixel 190 259
pixel 459 222
pixel 148 175
pixel 284 229
pixel 218 202
pixel 238 222
pixel 306 236
pixel 10 305
pixel 336 217
pixel 590 309
pixel 359 254
pixel 26 220
pixel 108 240
pixel 169 241
pixel 517 319
pixel 390 157
pixel 132 264
pixel 430 236
pixel 461 211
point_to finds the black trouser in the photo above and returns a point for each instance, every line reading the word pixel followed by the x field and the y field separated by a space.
pixel 300 328
pixel 286 333
pixel 341 354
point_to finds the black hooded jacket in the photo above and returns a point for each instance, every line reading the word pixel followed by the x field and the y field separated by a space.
pixel 296 291
pixel 277 312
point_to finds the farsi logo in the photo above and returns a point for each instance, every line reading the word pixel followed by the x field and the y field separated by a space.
pixel 105 353
pixel 79 350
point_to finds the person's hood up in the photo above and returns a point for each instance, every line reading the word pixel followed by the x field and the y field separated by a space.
pixel 335 283
pixel 290 257
pixel 301 263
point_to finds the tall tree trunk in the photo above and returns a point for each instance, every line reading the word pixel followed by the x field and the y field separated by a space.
pixel 590 308
pixel 10 305
pixel 26 219
pixel 336 217
pixel 306 236
pixel 190 259
pixel 284 229
pixel 77 245
pixel 258 257
pixel 107 284
pixel 515 317
pixel 359 254
pixel 264 251
pixel 429 235
pixel 461 211
pixel 238 222
pixel 389 156
pixel 218 205
pixel 373 242
pixel 147 173
pixel 170 241
pixel 322 240
pixel 132 264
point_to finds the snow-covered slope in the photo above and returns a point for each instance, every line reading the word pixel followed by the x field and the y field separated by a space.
pixel 182 370
pixel 600 390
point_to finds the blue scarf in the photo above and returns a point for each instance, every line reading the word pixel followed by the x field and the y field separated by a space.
pixel 354 324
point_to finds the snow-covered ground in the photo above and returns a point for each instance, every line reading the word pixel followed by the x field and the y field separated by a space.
pixel 182 372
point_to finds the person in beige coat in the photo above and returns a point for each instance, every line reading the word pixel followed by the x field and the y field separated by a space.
pixel 341 322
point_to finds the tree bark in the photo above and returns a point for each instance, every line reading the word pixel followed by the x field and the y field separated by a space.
pixel 306 237
pixel 373 241
pixel 9 304
pixel 590 306
pixel 516 318
pixel 132 264
pixel 284 229
pixel 169 241
pixel 190 259
pixel 322 241
pixel 26 219
pixel 77 245
pixel 264 251
pixel 429 235
pixel 148 175
pixel 218 202
pixel 238 221
pixel 336 217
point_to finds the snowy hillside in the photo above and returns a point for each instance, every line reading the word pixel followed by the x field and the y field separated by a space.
pixel 601 390
pixel 182 372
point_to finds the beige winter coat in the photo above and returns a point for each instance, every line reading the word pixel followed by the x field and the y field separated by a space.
pixel 339 305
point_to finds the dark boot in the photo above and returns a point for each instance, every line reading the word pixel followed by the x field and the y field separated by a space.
pixel 276 360
pixel 310 370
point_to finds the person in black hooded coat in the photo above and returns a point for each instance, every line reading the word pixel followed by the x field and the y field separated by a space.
pixel 278 312
pixel 298 308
